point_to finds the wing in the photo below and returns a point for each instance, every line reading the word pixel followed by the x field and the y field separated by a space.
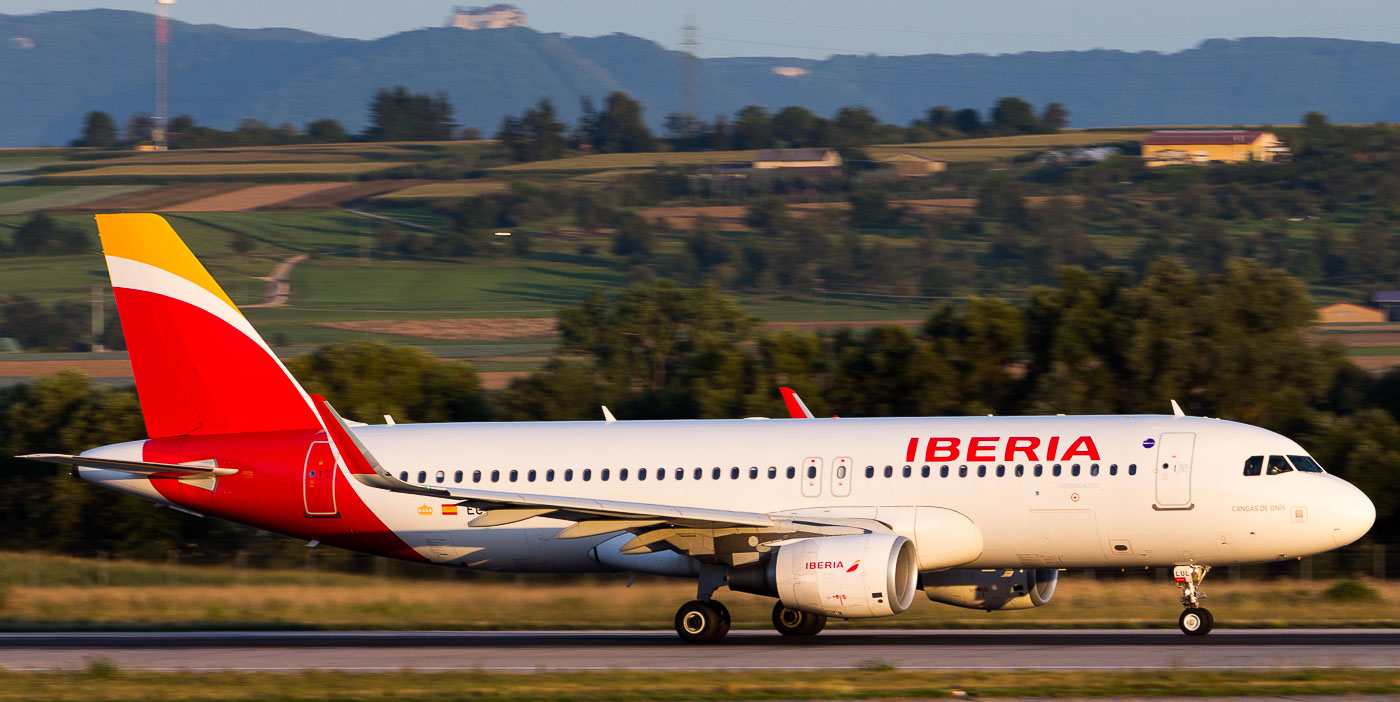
pixel 698 531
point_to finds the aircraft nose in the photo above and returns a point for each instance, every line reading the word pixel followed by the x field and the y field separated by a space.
pixel 1354 515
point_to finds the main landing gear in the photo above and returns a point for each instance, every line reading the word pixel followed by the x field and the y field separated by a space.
pixel 795 622
pixel 702 622
pixel 706 620
pixel 1195 620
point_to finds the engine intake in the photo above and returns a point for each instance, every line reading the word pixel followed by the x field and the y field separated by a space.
pixel 851 577
pixel 992 589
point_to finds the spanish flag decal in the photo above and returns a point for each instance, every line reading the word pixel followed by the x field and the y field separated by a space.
pixel 448 510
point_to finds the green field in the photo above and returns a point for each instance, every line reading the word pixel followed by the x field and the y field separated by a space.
pixel 26 199
pixel 604 162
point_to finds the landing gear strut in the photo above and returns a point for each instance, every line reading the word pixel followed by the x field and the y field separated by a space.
pixel 1195 620
pixel 795 622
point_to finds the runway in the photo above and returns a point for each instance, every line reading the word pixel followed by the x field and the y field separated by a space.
pixel 1005 649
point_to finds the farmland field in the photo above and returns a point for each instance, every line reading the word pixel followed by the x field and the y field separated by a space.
pixel 226 169
pixel 465 188
pixel 64 196
pixel 154 199
pixel 602 162
pixel 251 198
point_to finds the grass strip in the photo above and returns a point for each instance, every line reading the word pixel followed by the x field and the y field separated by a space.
pixel 102 681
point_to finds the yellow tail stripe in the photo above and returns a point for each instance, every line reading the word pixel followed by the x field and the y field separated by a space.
pixel 149 239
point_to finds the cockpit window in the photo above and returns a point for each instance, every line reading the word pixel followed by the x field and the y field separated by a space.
pixel 1277 465
pixel 1253 465
pixel 1305 464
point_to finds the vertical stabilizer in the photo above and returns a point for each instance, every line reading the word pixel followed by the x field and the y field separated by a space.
pixel 200 367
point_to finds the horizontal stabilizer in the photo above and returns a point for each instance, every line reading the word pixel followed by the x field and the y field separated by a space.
pixel 136 467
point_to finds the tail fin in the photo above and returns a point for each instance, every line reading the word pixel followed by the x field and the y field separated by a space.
pixel 200 367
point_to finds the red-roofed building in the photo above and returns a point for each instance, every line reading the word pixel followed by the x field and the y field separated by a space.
pixel 1204 146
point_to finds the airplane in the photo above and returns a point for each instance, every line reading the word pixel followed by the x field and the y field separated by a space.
pixel 832 518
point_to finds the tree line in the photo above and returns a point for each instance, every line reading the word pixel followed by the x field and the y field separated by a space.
pixel 1234 345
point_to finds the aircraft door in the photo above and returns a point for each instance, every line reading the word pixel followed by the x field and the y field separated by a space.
pixel 812 477
pixel 842 472
pixel 1173 470
pixel 318 481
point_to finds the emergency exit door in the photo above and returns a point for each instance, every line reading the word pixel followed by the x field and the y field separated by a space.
pixel 318 481
pixel 1173 470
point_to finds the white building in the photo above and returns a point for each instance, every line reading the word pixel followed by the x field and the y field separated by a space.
pixel 490 17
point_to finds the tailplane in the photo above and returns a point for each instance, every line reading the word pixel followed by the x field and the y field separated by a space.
pixel 200 367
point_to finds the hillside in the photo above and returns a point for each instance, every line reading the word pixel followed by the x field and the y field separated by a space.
pixel 100 59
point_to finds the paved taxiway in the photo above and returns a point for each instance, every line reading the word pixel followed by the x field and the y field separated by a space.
pixel 662 650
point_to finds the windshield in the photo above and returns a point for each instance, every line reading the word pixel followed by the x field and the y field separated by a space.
pixel 1278 465
pixel 1305 464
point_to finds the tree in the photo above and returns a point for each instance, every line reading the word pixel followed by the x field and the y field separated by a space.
pixel 620 127
pixel 753 129
pixel 543 132
pixel 797 127
pixel 369 380
pixel 939 117
pixel 968 121
pixel 326 131
pixel 99 130
pixel 871 208
pixel 43 234
pixel 767 214
pixel 140 127
pixel 1013 115
pixel 1054 117
pixel 1001 198
pixel 855 126
pixel 398 115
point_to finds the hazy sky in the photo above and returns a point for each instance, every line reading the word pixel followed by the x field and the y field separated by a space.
pixel 818 28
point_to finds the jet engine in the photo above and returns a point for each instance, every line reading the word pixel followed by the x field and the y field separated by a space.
pixel 851 577
pixel 992 589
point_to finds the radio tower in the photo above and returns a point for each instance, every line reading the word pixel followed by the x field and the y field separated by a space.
pixel 162 82
pixel 691 46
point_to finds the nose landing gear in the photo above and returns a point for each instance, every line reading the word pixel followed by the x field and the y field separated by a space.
pixel 1195 620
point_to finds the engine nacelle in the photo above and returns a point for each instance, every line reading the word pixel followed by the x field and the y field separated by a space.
pixel 851 577
pixel 992 589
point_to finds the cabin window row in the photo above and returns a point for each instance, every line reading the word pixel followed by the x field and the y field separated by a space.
pixel 604 474
pixel 1000 470
pixel 1255 465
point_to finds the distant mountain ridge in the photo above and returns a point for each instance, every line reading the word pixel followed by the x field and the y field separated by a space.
pixel 56 66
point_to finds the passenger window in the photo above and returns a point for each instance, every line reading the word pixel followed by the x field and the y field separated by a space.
pixel 1253 465
pixel 1020 470
pixel 1094 469
pixel 962 471
pixel 604 474
pixel 1001 471
pixel 568 475
pixel 1113 469
pixel 476 476
pixel 441 476
pixel 1055 471
pixel 870 471
pixel 714 474
pixel 1074 470
pixel 908 471
pixel 943 471
pixel 1277 465
pixel 753 472
pixel 495 476
pixel 660 473
pixel 422 476
pixel 530 476
pixel 514 475
pixel 457 477
pixel 791 472
pixel 549 475
pixel 889 471
pixel 641 474
pixel 1039 469
pixel 923 472
pixel 981 471
pixel 699 473
pixel 403 475
pixel 1306 464
pixel 773 472
pixel 811 471
pixel 622 474
pixel 587 474
pixel 841 472
pixel 1132 469
pixel 734 473
pixel 680 474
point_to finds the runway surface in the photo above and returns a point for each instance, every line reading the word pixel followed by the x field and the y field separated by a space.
pixel 741 650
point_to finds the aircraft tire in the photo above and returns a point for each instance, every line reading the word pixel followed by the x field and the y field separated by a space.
pixel 795 622
pixel 724 619
pixel 698 622
pixel 1196 621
